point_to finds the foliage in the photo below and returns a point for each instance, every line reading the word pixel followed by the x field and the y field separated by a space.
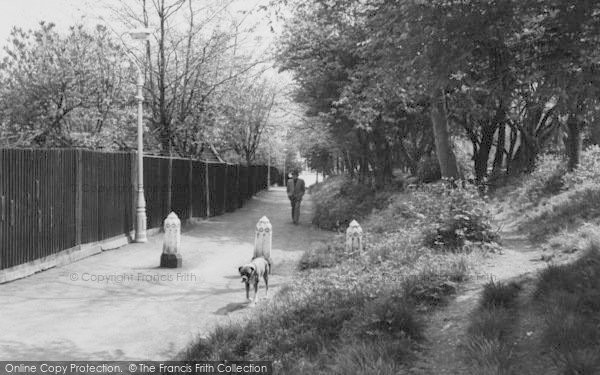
pixel 458 216
pixel 65 90
pixel 355 312
pixel 324 256
pixel 498 294
pixel 383 73
pixel 341 200
pixel 588 170
pixel 428 170
pixel 564 211
pixel 488 348
pixel 546 180
pixel 568 296
pixel 246 114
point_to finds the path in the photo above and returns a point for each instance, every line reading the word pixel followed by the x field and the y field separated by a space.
pixel 144 312
pixel 446 327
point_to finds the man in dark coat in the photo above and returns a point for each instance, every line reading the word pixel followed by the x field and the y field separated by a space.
pixel 295 192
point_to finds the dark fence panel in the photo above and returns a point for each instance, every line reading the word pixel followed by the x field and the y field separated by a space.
pixel 37 209
pixel 180 188
pixel 156 177
pixel 198 189
pixel 106 195
pixel 232 188
pixel 216 177
pixel 243 184
pixel 252 176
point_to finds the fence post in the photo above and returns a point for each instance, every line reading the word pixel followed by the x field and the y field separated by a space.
pixel 207 190
pixel 78 195
pixel 263 239
pixel 354 237
pixel 170 257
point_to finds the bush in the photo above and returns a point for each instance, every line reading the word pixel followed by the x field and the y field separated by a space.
pixel 340 200
pixel 588 169
pixel 323 256
pixel 459 216
pixel 498 294
pixel 428 170
pixel 545 180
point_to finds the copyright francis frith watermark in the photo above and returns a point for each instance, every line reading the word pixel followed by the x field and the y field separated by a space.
pixel 132 277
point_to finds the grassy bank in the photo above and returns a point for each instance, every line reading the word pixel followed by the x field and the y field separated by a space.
pixel 362 312
pixel 549 322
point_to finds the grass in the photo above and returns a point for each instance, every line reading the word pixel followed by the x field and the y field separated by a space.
pixel 340 200
pixel 567 210
pixel 563 310
pixel 568 298
pixel 306 334
pixel 500 295
pixel 360 313
pixel 489 349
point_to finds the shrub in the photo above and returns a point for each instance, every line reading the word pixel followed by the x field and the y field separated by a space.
pixel 340 200
pixel 498 294
pixel 588 169
pixel 460 215
pixel 428 170
pixel 324 256
pixel 545 180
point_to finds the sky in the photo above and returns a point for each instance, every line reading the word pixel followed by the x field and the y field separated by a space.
pixel 28 13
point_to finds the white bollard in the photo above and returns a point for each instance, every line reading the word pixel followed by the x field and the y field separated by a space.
pixel 263 239
pixel 354 237
pixel 170 258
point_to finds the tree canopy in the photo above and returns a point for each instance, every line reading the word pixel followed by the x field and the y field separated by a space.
pixel 398 81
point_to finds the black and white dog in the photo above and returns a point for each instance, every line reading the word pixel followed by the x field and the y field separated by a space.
pixel 252 272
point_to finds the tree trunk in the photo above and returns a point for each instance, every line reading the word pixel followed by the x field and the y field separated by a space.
pixel 500 151
pixel 443 145
pixel 483 152
pixel 595 133
pixel 573 142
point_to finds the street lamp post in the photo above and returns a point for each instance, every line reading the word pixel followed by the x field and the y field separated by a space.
pixel 284 162
pixel 140 229
pixel 269 170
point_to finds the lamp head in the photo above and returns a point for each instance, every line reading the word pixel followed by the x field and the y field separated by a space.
pixel 140 34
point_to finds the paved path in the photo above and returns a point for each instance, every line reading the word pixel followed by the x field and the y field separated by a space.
pixel 144 312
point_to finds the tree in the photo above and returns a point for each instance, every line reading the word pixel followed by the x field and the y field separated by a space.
pixel 186 66
pixel 56 86
pixel 246 116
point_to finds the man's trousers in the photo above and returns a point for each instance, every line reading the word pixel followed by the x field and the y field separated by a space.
pixel 295 209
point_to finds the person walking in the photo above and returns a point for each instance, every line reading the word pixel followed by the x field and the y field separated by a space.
pixel 295 192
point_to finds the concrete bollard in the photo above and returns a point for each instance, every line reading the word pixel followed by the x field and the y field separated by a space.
pixel 354 237
pixel 170 258
pixel 263 239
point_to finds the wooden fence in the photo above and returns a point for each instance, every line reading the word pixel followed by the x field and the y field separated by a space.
pixel 53 200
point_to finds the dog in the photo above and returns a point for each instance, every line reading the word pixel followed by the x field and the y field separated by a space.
pixel 259 267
